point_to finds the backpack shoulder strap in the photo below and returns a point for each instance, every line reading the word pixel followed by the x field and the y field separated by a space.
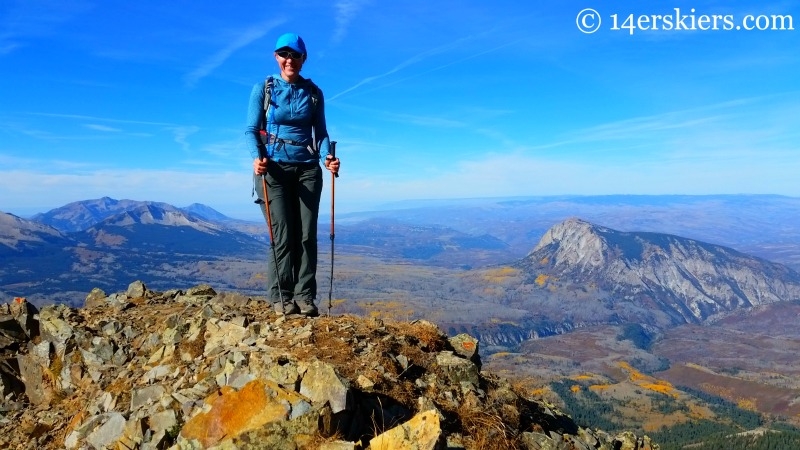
pixel 265 110
pixel 316 95
pixel 267 93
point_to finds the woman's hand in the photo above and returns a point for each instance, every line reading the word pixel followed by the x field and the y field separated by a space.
pixel 332 164
pixel 260 166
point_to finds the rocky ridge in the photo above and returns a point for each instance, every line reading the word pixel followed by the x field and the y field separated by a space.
pixel 196 369
pixel 688 280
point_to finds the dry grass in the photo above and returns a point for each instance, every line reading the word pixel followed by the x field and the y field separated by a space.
pixel 318 440
pixel 193 348
pixel 486 431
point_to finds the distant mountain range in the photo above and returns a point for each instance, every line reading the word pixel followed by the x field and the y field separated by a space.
pixel 121 224
pixel 79 216
pixel 108 243
pixel 578 274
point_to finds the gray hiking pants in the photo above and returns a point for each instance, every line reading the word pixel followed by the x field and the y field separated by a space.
pixel 294 194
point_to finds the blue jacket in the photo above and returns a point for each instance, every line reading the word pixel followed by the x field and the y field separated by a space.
pixel 291 119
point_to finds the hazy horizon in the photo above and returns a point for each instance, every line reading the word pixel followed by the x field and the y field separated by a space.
pixel 406 204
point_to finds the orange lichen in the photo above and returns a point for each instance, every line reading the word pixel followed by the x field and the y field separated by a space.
pixel 234 412
pixel 468 345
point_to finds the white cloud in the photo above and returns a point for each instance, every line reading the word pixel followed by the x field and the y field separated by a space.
pixel 104 119
pixel 180 135
pixel 245 38
pixel 346 11
pixel 421 56
pixel 104 128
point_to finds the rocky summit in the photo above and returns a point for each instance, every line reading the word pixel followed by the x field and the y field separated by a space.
pixel 198 369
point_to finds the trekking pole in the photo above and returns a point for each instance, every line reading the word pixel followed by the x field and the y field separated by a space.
pixel 272 237
pixel 333 233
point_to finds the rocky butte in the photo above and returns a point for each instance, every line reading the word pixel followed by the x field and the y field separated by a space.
pixel 676 280
pixel 198 369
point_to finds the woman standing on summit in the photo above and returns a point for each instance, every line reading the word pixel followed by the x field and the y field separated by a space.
pixel 286 139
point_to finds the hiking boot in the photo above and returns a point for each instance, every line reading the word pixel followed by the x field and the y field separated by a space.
pixel 308 308
pixel 290 307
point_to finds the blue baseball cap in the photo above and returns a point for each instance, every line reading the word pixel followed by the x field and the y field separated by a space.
pixel 292 41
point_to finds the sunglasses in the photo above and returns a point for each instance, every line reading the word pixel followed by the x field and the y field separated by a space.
pixel 286 54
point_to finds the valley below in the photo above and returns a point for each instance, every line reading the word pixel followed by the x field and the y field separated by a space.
pixel 756 371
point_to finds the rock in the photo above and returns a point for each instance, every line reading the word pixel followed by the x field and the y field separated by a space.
pixel 420 433
pixel 338 445
pixel 321 384
pixel 109 432
pixel 103 348
pixel 25 314
pixel 55 327
pixel 574 443
pixel 146 396
pixel 222 334
pixel 202 290
pixel 95 298
pixel 163 421
pixel 282 371
pixel 537 441
pixel 12 335
pixel 588 437
pixel 80 432
pixel 137 289
pixel 10 382
pixel 364 383
pixel 32 370
pixel 119 301
pixel 232 413
pixel 112 328
pixel 289 434
pixel 158 373
pixel 467 347
pixel 629 441
pixel 233 299
pixel 456 369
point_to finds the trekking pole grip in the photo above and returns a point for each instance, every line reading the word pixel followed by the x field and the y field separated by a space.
pixel 333 154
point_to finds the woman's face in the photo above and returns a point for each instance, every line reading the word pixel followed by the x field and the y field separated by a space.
pixel 290 62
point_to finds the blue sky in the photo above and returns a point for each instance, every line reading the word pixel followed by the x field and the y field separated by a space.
pixel 146 100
